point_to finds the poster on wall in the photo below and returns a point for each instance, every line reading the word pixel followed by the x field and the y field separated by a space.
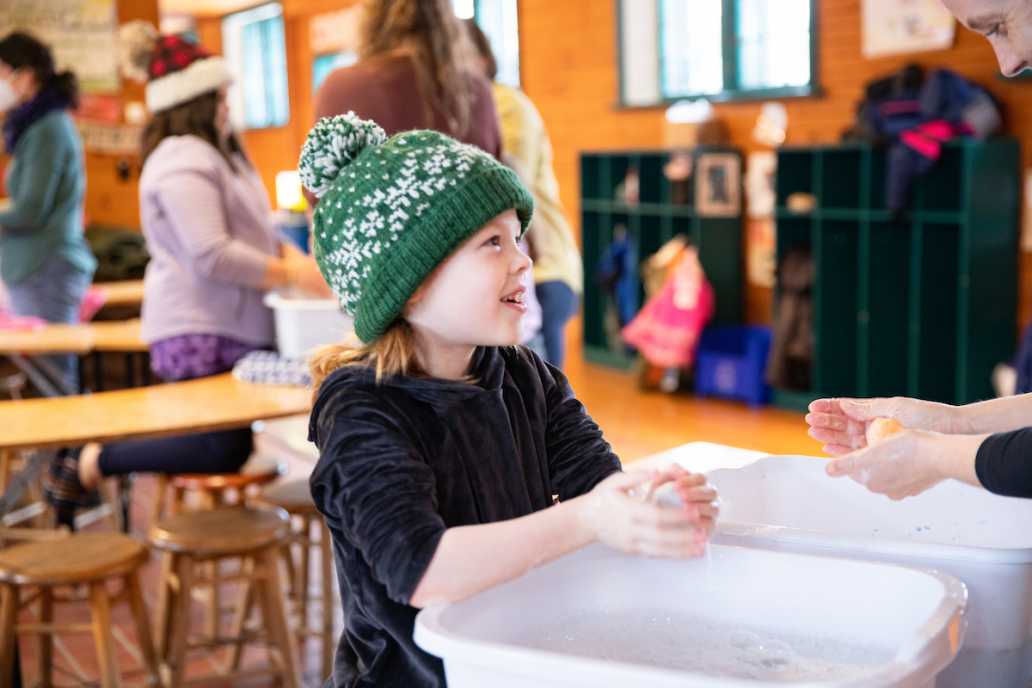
pixel 334 32
pixel 894 27
pixel 718 185
pixel 760 173
pixel 110 139
pixel 82 34
pixel 760 251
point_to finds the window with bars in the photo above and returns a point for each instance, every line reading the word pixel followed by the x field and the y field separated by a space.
pixel 499 19
pixel 720 49
pixel 254 45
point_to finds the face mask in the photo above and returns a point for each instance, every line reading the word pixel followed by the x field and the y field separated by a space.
pixel 8 98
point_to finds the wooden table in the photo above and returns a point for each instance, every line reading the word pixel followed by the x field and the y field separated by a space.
pixel 214 403
pixel 127 293
pixel 220 402
pixel 79 340
pixel 114 335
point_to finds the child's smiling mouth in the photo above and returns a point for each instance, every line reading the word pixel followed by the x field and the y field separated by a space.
pixel 515 300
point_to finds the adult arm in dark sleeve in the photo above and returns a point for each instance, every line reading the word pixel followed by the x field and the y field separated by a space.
pixel 1004 463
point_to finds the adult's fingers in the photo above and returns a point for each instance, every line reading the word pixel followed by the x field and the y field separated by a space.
pixel 853 464
pixel 852 441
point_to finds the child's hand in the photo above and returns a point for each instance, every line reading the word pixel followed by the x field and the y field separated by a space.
pixel 624 521
pixel 693 490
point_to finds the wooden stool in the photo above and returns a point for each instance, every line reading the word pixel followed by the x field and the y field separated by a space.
pixel 187 539
pixel 295 498
pixel 81 559
pixel 215 488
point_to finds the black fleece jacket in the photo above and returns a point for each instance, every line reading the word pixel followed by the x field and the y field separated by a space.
pixel 403 460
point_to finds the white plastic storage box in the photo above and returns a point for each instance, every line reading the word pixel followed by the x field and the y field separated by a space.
pixel 790 504
pixel 741 618
pixel 305 324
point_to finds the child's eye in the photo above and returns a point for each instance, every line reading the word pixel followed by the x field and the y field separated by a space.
pixel 996 30
pixel 496 240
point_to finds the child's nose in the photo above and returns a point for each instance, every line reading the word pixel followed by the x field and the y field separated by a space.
pixel 522 261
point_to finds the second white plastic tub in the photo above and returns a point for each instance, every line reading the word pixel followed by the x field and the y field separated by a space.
pixel 306 324
pixel 789 504
pixel 743 618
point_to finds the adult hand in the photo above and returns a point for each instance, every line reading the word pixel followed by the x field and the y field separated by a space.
pixel 310 280
pixel 910 462
pixel 616 515
pixel 903 465
pixel 304 272
pixel 841 424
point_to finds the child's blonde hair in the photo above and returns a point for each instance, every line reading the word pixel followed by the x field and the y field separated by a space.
pixel 392 353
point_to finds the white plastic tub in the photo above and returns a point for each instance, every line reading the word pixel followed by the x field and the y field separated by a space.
pixel 789 504
pixel 305 324
pixel 742 618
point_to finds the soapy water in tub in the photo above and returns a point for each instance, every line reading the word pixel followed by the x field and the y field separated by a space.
pixel 691 644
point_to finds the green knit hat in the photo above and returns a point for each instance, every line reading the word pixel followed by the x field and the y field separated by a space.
pixel 391 210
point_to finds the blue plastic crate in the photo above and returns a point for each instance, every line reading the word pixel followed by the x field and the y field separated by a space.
pixel 731 363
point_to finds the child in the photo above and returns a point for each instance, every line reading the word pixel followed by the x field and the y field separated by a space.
pixel 445 447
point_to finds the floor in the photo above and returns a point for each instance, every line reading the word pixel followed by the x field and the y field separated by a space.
pixel 636 423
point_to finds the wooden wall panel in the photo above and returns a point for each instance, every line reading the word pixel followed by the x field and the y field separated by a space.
pixel 569 57
pixel 568 52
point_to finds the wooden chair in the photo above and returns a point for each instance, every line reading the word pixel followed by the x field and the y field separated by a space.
pixel 190 539
pixel 56 559
pixel 295 498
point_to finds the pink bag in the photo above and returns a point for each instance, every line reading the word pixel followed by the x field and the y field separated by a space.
pixel 667 329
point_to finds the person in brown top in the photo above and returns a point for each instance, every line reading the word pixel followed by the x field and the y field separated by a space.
pixel 414 73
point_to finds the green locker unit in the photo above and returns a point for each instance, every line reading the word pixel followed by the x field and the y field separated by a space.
pixel 663 210
pixel 921 303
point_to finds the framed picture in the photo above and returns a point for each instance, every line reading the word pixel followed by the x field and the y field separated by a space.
pixel 898 27
pixel 718 185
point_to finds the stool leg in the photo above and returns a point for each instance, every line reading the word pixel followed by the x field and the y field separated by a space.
pixel 163 615
pixel 210 500
pixel 6 467
pixel 306 570
pixel 177 651
pixel 212 607
pixel 143 634
pixel 328 584
pixel 276 616
pixel 159 498
pixel 100 609
pixel 287 550
pixel 8 633
pixel 243 611
pixel 178 496
pixel 46 640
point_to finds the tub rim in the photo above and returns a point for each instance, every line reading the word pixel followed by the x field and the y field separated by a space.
pixel 935 644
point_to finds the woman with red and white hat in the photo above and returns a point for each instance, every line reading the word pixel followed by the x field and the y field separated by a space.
pixel 214 253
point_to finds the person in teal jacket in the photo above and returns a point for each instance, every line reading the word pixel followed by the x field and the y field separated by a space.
pixel 45 262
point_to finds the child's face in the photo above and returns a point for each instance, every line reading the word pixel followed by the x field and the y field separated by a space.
pixel 476 296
